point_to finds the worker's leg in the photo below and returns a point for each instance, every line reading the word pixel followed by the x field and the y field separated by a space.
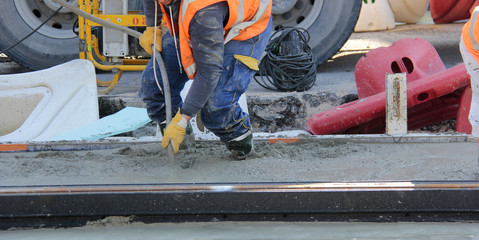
pixel 473 69
pixel 222 113
pixel 149 90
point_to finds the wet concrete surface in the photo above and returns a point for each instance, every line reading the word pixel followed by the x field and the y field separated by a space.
pixel 311 159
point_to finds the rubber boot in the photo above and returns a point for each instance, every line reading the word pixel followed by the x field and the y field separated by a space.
pixel 188 139
pixel 240 147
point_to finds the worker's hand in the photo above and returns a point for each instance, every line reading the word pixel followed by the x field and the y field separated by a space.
pixel 148 37
pixel 175 131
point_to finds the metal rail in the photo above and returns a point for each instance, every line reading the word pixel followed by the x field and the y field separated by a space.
pixel 65 206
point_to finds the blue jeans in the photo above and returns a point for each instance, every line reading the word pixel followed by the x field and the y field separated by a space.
pixel 222 113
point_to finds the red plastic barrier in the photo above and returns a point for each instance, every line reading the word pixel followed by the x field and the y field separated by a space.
pixel 414 56
pixel 339 119
pixel 427 113
pixel 439 109
pixel 447 11
pixel 462 120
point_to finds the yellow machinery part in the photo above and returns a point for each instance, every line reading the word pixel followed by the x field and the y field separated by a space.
pixel 89 46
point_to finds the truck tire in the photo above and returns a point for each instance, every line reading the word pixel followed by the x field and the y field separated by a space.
pixel 52 44
pixel 329 23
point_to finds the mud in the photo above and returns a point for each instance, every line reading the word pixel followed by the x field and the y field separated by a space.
pixel 307 160
pixel 290 111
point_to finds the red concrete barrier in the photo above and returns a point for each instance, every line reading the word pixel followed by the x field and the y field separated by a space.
pixel 414 56
pixel 421 91
pixel 447 11
pixel 427 113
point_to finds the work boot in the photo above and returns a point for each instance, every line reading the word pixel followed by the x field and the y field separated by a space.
pixel 241 146
pixel 188 139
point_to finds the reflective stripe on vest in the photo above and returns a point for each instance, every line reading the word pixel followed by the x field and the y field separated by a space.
pixel 240 25
pixel 470 34
pixel 471 29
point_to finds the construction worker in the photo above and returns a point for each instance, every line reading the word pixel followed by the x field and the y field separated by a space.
pixel 218 44
pixel 469 47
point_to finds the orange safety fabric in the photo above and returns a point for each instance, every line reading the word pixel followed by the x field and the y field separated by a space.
pixel 470 34
pixel 242 24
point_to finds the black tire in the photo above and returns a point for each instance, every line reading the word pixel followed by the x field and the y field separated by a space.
pixel 39 51
pixel 331 28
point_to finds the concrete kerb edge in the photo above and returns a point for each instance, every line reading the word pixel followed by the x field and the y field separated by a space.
pixel 119 142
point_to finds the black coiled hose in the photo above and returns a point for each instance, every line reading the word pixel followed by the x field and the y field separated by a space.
pixel 289 63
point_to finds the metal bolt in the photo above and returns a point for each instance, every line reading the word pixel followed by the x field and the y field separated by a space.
pixel 298 5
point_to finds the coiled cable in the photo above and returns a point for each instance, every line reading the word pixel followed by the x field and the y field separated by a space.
pixel 289 63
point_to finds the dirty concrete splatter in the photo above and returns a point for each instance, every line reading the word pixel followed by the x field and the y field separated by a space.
pixel 307 160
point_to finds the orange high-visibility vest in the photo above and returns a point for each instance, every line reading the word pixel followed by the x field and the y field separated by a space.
pixel 247 18
pixel 470 34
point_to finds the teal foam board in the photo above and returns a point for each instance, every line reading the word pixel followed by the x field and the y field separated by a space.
pixel 126 120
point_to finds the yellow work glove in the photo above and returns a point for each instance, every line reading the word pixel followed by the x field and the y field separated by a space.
pixel 147 38
pixel 174 132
